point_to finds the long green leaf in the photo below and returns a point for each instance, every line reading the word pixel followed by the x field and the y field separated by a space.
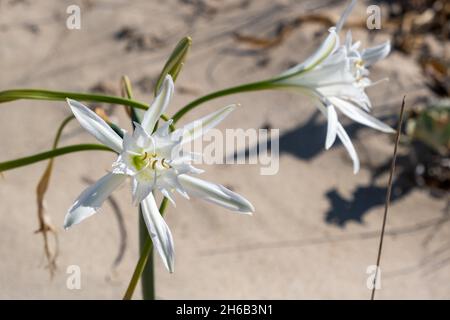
pixel 12 164
pixel 37 94
pixel 48 95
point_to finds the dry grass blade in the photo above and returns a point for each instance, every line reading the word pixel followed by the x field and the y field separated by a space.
pixel 45 224
pixel 388 199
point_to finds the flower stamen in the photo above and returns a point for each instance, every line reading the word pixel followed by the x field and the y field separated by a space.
pixel 154 162
pixel 164 164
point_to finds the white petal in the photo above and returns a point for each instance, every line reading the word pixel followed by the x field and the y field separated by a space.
pixel 343 136
pixel 345 15
pixel 182 167
pixel 347 90
pixel 348 40
pixel 362 100
pixel 377 53
pixel 166 193
pixel 329 74
pixel 159 232
pixel 92 198
pixel 345 139
pixel 123 165
pixel 159 105
pixel 356 46
pixel 199 127
pixel 169 180
pixel 327 47
pixel 164 129
pixel 141 139
pixel 358 115
pixel 95 125
pixel 331 127
pixel 215 193
pixel 142 184
pixel 168 147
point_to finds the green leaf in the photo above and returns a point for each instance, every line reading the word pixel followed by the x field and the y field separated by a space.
pixel 37 94
pixel 21 162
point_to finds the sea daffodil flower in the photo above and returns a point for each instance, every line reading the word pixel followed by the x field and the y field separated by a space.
pixel 153 161
pixel 335 76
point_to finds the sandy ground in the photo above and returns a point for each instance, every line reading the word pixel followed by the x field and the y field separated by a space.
pixel 315 230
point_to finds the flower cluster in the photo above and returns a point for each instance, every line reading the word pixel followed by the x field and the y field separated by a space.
pixel 335 77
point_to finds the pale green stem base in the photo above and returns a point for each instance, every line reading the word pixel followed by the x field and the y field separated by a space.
pixel 146 251
pixel 148 273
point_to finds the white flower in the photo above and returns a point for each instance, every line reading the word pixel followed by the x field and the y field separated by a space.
pixel 335 76
pixel 154 162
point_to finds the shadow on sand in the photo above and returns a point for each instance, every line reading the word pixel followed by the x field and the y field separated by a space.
pixel 307 141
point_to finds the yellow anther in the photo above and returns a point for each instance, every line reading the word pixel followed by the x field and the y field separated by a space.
pixel 359 63
pixel 164 164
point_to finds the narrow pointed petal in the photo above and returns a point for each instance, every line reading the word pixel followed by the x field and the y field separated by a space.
pixel 164 129
pixel 345 139
pixel 159 105
pixel 345 15
pixel 329 74
pixel 141 138
pixel 142 185
pixel 331 127
pixel 92 199
pixel 199 127
pixel 215 193
pixel 377 53
pixel 347 90
pixel 159 232
pixel 327 47
pixel 168 195
pixel 359 115
pixel 348 39
pixel 95 125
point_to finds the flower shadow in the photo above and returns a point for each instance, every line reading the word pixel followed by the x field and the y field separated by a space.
pixel 307 142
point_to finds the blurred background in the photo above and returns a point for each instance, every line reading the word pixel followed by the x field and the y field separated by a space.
pixel 316 226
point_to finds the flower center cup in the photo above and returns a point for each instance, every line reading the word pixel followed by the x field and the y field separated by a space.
pixel 145 160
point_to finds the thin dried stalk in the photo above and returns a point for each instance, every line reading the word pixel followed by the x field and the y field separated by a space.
pixel 388 198
pixel 45 223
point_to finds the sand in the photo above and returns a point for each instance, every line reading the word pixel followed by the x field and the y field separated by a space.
pixel 308 239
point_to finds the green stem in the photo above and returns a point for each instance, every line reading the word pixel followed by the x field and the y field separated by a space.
pixel 148 273
pixel 145 253
pixel 12 164
pixel 254 86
